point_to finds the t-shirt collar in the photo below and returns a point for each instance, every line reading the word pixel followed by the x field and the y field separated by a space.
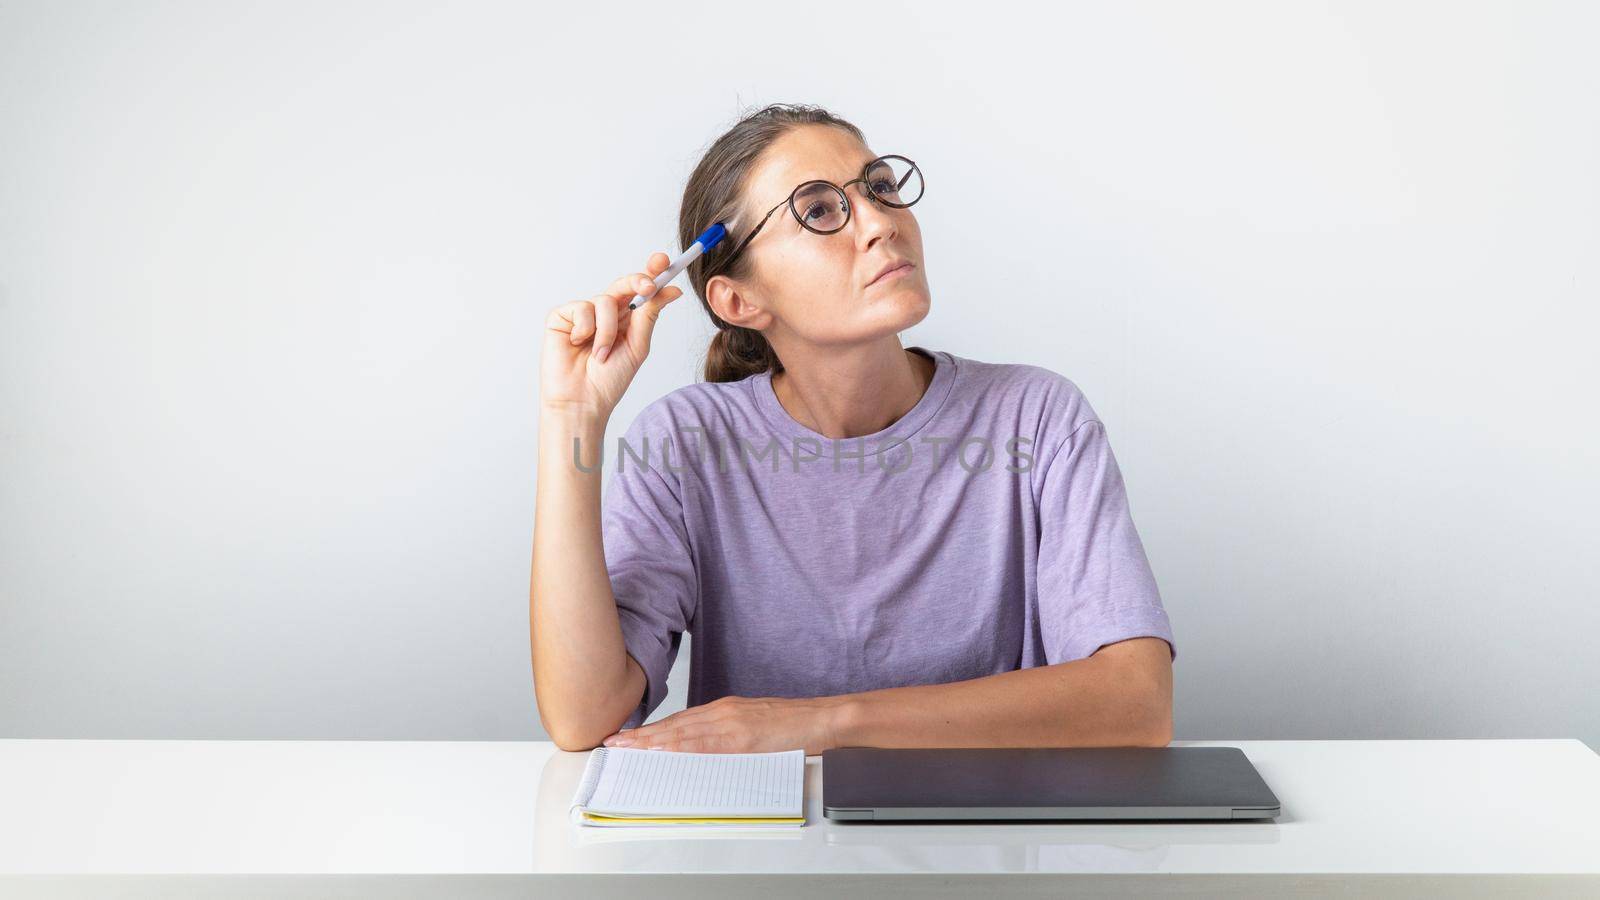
pixel 787 427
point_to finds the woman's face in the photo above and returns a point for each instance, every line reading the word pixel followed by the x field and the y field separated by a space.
pixel 819 287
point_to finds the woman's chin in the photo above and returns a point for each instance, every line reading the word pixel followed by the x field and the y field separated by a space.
pixel 893 312
pixel 910 307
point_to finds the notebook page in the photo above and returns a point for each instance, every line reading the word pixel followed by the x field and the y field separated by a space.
pixel 623 781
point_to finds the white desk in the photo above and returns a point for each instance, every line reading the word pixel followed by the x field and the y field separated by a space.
pixel 399 819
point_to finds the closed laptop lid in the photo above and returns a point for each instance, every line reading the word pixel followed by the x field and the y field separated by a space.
pixel 1048 782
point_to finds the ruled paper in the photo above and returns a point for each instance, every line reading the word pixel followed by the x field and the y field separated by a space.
pixel 631 782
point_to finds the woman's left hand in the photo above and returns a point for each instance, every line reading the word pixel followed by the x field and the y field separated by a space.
pixel 741 725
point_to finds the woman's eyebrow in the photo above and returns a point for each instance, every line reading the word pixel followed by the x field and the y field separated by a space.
pixel 860 167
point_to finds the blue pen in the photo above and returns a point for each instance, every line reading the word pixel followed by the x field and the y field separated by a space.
pixel 703 243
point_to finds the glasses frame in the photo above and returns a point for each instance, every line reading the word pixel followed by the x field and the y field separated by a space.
pixel 843 191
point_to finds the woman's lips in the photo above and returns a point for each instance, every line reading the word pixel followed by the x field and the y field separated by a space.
pixel 896 272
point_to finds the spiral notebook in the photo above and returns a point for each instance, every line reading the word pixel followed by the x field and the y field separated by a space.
pixel 624 786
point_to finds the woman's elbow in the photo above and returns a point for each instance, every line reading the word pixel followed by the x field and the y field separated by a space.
pixel 570 744
pixel 1154 727
pixel 574 741
pixel 1142 676
pixel 1156 733
pixel 570 735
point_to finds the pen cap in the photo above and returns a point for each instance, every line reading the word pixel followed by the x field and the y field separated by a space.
pixel 711 236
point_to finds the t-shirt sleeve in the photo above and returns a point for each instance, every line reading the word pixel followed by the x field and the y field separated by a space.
pixel 1094 582
pixel 648 559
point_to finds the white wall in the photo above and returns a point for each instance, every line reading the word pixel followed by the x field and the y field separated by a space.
pixel 272 280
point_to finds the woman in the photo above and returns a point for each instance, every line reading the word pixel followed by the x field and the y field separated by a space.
pixel 872 545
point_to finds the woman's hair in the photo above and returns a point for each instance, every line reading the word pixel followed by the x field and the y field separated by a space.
pixel 714 193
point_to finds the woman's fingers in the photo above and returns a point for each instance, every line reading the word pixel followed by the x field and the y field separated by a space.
pixel 605 326
pixel 582 323
pixel 659 299
pixel 620 292
pixel 647 314
pixel 632 283
pixel 640 282
pixel 612 305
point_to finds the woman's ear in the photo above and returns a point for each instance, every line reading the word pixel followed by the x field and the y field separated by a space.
pixel 732 305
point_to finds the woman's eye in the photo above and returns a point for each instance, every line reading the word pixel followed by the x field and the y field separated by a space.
pixel 816 211
pixel 887 189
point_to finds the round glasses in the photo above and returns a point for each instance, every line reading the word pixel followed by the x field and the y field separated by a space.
pixel 822 207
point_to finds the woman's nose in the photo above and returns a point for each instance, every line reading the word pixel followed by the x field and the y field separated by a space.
pixel 872 216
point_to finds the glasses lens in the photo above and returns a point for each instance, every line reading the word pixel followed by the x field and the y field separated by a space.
pixel 820 206
pixel 895 180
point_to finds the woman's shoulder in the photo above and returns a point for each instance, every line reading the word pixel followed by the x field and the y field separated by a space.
pixel 1032 398
pixel 1027 391
pixel 703 404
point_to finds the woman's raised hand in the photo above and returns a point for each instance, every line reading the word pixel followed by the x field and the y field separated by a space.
pixel 593 347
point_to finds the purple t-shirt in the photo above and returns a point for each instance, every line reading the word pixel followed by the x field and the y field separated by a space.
pixel 984 531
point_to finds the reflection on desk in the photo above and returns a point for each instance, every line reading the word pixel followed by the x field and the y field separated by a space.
pixel 456 809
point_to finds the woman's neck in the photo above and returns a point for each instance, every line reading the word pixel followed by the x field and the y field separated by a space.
pixel 858 393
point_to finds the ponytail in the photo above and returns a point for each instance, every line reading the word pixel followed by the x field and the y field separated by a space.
pixel 737 353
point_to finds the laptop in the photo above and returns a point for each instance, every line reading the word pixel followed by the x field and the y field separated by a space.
pixel 1130 783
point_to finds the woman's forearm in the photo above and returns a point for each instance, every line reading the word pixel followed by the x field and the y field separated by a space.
pixel 1121 696
pixel 581 672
